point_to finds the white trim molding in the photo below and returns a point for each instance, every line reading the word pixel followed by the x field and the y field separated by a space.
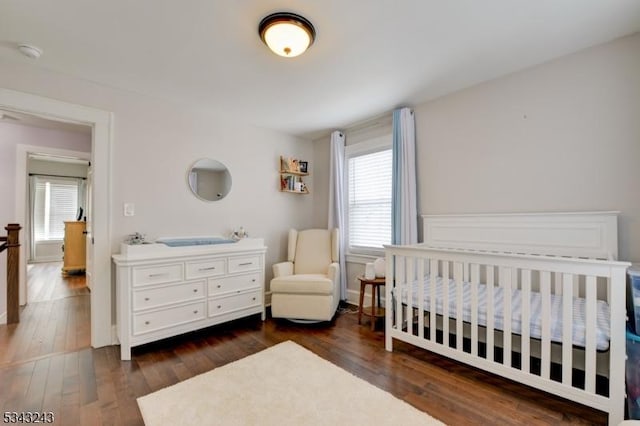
pixel 102 124
pixel 362 259
pixel 580 234
pixel 22 201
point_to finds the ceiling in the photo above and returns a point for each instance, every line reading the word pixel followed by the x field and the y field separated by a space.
pixel 369 56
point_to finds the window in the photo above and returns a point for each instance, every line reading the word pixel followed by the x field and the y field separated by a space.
pixel 55 200
pixel 369 198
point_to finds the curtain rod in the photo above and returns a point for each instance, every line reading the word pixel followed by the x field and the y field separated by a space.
pixel 61 176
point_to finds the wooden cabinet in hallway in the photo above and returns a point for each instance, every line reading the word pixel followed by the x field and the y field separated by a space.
pixel 75 256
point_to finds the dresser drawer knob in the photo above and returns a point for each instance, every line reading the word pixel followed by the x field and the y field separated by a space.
pixel 219 306
pixel 253 280
pixel 146 299
pixel 253 298
pixel 147 322
pixel 195 290
pixel 195 312
pixel 218 285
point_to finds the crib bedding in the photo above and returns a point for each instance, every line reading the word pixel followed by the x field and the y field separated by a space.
pixel 579 335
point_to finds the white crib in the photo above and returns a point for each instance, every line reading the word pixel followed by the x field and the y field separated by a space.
pixel 554 275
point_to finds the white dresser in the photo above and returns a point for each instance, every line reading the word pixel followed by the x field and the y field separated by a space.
pixel 164 291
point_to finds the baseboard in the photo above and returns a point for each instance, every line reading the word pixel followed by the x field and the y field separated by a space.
pixel 114 335
pixel 353 298
pixel 3 318
pixel 46 259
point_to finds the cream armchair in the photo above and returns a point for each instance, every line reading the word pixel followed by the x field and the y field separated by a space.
pixel 306 286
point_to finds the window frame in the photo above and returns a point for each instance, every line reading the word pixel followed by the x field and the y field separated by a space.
pixel 55 180
pixel 372 145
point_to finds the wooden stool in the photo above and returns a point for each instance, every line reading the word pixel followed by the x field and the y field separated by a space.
pixel 373 311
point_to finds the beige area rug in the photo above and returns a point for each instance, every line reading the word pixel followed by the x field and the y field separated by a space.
pixel 283 385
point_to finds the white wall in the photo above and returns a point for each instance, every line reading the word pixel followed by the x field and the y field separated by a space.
pixel 12 135
pixel 562 136
pixel 155 142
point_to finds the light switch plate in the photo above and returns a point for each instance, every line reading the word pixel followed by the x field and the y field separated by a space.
pixel 129 209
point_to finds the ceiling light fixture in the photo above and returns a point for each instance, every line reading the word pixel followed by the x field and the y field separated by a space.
pixel 30 51
pixel 287 34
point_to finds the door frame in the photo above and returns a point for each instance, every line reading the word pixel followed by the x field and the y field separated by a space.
pixel 23 209
pixel 101 122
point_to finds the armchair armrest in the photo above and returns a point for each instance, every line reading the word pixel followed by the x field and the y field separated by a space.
pixel 334 272
pixel 282 269
pixel 334 276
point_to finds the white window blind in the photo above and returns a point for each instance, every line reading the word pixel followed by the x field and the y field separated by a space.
pixel 55 201
pixel 369 180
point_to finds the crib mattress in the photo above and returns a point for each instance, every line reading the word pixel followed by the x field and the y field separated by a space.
pixel 603 331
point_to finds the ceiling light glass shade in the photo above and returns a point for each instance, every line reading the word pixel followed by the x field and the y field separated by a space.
pixel 287 34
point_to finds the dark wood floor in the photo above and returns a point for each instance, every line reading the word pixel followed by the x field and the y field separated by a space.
pixel 46 283
pixel 92 386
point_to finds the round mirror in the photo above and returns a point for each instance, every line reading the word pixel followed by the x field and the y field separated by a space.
pixel 209 180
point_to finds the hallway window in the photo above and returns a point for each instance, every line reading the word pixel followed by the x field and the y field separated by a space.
pixel 55 200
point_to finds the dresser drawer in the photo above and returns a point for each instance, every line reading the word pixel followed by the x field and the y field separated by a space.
pixel 152 321
pixel 222 285
pixel 206 268
pixel 235 302
pixel 159 296
pixel 240 264
pixel 157 274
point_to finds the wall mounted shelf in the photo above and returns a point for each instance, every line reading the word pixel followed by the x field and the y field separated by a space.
pixel 292 171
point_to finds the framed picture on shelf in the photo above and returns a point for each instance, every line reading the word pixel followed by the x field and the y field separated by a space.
pixel 303 166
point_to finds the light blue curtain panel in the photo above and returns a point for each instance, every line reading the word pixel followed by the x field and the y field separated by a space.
pixel 337 200
pixel 404 214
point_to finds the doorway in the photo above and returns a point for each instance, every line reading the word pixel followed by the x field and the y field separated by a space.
pixel 100 240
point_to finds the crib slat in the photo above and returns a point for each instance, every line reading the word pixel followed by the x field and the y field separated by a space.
pixel 526 319
pixel 458 275
pixel 557 284
pixel 432 310
pixel 445 303
pixel 410 296
pixel 400 287
pixel 567 328
pixel 590 324
pixel 433 277
pixel 475 280
pixel 490 311
pixel 420 280
pixel 505 283
pixel 545 295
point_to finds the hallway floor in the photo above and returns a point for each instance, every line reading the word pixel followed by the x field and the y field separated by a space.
pixel 55 320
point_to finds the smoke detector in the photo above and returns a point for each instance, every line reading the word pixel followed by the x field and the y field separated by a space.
pixel 30 51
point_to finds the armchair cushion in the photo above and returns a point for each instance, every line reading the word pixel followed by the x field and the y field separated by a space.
pixel 313 252
pixel 302 284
